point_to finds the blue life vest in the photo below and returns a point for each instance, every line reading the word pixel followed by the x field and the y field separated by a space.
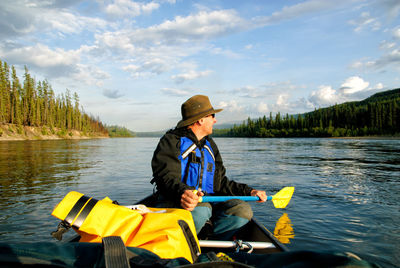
pixel 197 165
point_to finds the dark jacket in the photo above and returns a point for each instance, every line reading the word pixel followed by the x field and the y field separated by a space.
pixel 167 167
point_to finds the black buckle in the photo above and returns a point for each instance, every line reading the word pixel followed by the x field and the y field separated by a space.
pixel 62 228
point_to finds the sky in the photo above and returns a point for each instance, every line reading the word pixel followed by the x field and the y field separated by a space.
pixel 133 63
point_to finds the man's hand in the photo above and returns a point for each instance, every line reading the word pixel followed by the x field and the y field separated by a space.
pixel 261 194
pixel 189 199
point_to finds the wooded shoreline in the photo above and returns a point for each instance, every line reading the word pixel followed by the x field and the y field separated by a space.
pixel 12 132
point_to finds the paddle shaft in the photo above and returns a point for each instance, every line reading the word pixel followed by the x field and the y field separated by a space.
pixel 208 198
pixel 234 244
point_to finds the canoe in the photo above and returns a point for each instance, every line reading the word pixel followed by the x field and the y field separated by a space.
pixel 266 251
pixel 253 237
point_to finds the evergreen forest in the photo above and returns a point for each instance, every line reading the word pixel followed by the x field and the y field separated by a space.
pixel 377 115
pixel 117 131
pixel 33 103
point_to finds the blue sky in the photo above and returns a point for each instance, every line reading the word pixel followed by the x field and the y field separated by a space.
pixel 133 63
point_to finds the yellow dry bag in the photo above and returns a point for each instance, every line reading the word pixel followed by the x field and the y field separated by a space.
pixel 169 233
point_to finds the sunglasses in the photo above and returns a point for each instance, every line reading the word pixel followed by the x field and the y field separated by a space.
pixel 213 115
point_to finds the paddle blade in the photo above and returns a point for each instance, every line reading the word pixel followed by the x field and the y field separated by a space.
pixel 282 198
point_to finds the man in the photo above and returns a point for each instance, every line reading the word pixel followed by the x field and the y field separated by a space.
pixel 187 159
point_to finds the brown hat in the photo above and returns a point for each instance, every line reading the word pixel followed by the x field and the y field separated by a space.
pixel 195 108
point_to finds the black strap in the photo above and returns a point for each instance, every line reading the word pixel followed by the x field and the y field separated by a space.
pixel 190 239
pixel 200 181
pixel 85 212
pixel 115 252
pixel 76 208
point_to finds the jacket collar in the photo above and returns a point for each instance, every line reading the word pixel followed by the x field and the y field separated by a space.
pixel 187 132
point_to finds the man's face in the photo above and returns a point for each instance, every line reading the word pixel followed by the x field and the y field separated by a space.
pixel 209 121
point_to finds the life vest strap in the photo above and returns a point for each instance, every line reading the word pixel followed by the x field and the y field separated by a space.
pixel 79 212
pixel 190 239
pixel 76 208
pixel 115 252
pixel 189 150
pixel 85 212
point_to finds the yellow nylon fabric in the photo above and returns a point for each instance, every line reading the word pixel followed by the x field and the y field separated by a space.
pixel 157 231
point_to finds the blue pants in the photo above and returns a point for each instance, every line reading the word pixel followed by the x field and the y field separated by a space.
pixel 227 217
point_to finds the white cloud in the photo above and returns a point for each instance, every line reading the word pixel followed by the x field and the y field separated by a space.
pixel 266 90
pixel 391 56
pixel 231 106
pixel 41 56
pixel 148 67
pixel 225 52
pixel 118 41
pixel 385 45
pixel 89 75
pixel 248 91
pixel 324 96
pixel 365 21
pixel 298 10
pixel 21 17
pixel 130 8
pixel 282 99
pixel 67 22
pixel 379 86
pixel 190 75
pixel 175 92
pixel 351 89
pixel 112 93
pixel 392 7
pixel 54 63
pixel 201 26
pixel 262 108
pixel 353 84
pixel 16 19
pixel 396 32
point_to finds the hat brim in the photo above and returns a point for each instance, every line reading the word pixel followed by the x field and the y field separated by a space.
pixel 189 121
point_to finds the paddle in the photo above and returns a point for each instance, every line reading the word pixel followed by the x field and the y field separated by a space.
pixel 280 199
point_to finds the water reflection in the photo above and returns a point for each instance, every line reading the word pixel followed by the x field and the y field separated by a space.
pixel 34 167
pixel 284 229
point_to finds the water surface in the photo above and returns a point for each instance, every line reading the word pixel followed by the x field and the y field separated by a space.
pixel 346 199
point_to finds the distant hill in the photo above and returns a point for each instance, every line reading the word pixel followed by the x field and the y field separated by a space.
pixel 119 132
pixel 382 96
pixel 150 134
pixel 376 115
pixel 377 97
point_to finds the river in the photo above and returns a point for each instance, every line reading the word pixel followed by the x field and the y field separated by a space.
pixel 347 191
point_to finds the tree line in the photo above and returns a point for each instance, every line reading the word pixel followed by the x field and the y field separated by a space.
pixel 376 115
pixel 117 131
pixel 32 103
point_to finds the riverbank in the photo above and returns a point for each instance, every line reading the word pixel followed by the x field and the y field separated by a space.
pixel 10 132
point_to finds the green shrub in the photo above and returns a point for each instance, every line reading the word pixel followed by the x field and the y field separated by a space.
pixel 62 133
pixel 44 131
pixel 20 129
